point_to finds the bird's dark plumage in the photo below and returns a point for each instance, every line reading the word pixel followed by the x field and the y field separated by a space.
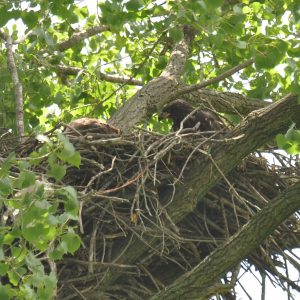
pixel 201 119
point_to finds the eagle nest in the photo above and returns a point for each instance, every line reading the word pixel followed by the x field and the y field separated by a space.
pixel 126 184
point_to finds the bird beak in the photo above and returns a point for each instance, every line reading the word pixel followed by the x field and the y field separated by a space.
pixel 163 116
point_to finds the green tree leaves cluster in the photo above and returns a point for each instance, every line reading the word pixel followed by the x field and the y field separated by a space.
pixel 37 218
pixel 135 43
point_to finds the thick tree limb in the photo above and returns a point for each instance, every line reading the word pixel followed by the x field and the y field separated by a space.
pixel 196 283
pixel 201 176
pixel 16 83
pixel 80 36
pixel 253 132
pixel 226 102
pixel 145 101
pixel 164 89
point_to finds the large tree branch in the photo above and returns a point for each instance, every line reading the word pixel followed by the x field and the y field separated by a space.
pixel 196 283
pixel 80 36
pixel 226 102
pixel 253 132
pixel 16 83
pixel 155 93
pixel 164 89
pixel 201 176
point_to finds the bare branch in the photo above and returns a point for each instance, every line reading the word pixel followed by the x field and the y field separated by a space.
pixel 206 83
pixel 120 79
pixel 80 36
pixel 66 70
pixel 24 37
pixel 3 35
pixel 16 83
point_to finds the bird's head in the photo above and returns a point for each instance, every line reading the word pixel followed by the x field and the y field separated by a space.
pixel 176 110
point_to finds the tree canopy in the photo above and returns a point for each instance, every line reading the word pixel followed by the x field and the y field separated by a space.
pixel 126 208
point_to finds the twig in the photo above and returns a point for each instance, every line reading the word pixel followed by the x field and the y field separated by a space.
pixel 24 37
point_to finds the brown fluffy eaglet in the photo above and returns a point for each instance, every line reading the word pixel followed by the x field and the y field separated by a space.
pixel 90 125
pixel 200 119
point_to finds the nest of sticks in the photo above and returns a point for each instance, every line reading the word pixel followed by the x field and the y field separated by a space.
pixel 123 183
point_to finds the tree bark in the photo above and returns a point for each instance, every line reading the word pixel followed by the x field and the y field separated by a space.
pixel 196 283
pixel 154 95
pixel 253 132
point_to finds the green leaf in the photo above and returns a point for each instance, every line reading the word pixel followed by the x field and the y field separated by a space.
pixel 10 237
pixel 6 292
pixel 30 18
pixel 290 142
pixel 293 135
pixel 162 62
pixel 271 54
pixel 57 253
pixel 36 229
pixel 212 4
pixel 16 275
pixel 19 254
pixel 4 267
pixel 57 171
pixel 26 179
pixel 6 164
pixel 72 242
pixel 134 5
pixel 70 201
pixel 74 159
pixel 294 52
pixel 176 34
pixel 281 140
pixel 33 263
pixel 46 291
pixel 5 187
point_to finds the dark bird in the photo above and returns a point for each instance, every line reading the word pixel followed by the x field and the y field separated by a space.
pixel 200 119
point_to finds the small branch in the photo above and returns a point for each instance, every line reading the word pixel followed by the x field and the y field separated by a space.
pixel 17 85
pixel 206 83
pixel 24 37
pixel 78 37
pixel 2 35
pixel 120 79
pixel 66 70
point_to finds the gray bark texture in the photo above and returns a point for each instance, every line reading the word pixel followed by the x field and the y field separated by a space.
pixel 254 131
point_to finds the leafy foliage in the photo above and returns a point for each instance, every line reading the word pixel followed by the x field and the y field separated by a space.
pixel 39 217
pixel 227 34
pixel 62 83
